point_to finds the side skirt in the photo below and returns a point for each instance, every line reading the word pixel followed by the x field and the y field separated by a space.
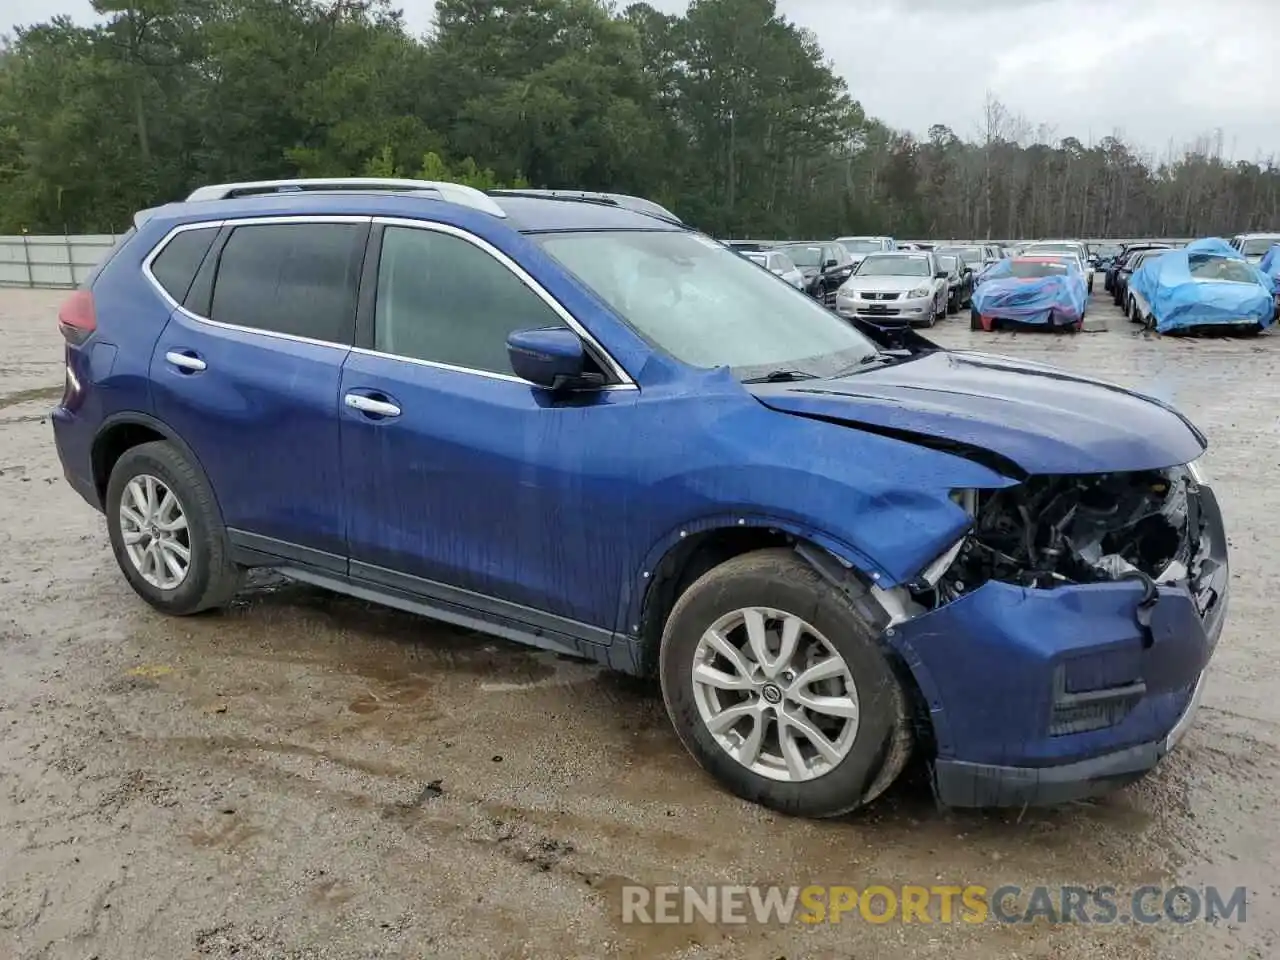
pixel 464 608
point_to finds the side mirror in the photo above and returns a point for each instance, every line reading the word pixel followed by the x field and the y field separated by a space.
pixel 942 275
pixel 777 271
pixel 828 264
pixel 551 357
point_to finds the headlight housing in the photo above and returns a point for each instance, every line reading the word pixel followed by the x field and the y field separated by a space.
pixel 1195 469
pixel 919 292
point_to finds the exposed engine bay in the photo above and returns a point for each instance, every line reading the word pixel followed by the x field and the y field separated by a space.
pixel 1054 530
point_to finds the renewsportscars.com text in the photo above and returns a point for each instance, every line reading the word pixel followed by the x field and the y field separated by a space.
pixel 971 904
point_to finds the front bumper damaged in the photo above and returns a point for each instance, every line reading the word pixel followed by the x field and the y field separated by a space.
pixel 1040 696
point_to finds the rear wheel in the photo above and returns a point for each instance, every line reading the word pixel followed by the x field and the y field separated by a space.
pixel 167 533
pixel 777 686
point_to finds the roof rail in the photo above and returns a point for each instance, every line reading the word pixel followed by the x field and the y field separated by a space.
pixel 457 193
pixel 624 200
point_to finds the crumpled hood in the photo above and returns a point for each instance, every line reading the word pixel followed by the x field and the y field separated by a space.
pixel 1039 418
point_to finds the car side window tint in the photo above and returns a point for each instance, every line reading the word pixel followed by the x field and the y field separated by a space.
pixel 299 279
pixel 443 299
pixel 177 264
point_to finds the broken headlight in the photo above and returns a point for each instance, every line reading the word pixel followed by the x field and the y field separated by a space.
pixel 1195 470
pixel 1053 530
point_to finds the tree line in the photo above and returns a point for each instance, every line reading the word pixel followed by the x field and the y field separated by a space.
pixel 730 115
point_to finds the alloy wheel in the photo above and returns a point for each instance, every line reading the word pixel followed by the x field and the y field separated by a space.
pixel 154 529
pixel 775 694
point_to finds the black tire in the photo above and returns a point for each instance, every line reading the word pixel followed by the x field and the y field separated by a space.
pixel 782 580
pixel 953 305
pixel 975 319
pixel 212 577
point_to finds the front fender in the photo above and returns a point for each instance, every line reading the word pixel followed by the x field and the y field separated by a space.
pixel 636 590
pixel 879 504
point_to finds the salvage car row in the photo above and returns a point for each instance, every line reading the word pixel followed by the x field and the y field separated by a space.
pixel 1207 284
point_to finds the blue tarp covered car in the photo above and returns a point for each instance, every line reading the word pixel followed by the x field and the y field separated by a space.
pixel 1041 291
pixel 1270 265
pixel 1205 284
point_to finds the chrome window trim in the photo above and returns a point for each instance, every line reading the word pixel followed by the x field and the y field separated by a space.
pixel 624 379
pixel 239 222
pixel 616 369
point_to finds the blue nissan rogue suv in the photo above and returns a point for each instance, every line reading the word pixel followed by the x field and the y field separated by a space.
pixel 576 423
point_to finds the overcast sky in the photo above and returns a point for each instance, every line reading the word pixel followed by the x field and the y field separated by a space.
pixel 1159 71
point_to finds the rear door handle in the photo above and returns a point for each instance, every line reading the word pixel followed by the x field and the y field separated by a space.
pixel 378 408
pixel 185 361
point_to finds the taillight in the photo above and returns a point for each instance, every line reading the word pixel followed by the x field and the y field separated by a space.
pixel 77 319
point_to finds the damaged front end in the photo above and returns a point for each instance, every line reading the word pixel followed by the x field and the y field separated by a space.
pixel 1060 644
pixel 1075 529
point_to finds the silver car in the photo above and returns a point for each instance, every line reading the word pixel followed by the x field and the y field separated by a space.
pixel 896 289
pixel 779 264
pixel 860 247
pixel 1254 246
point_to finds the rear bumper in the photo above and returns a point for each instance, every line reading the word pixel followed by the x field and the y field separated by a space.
pixel 73 440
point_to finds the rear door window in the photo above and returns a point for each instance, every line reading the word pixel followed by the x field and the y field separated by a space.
pixel 299 279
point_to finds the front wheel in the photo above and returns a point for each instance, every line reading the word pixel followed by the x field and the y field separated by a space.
pixel 777 686
pixel 166 531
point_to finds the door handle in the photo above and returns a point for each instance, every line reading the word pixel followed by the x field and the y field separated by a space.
pixel 379 408
pixel 184 361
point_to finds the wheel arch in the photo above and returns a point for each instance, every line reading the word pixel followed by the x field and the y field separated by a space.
pixel 689 551
pixel 120 433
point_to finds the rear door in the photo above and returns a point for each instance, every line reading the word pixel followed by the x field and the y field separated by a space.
pixel 246 373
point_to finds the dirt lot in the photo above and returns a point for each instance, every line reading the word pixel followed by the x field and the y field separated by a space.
pixel 307 776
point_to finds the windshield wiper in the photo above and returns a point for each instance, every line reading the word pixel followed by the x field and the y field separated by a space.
pixel 868 360
pixel 782 376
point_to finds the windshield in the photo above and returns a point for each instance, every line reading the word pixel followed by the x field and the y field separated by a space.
pixel 700 303
pixel 759 258
pixel 967 254
pixel 1258 246
pixel 1067 260
pixel 804 255
pixel 890 266
pixel 854 245
pixel 1027 269
pixel 1039 248
pixel 948 262
pixel 1219 268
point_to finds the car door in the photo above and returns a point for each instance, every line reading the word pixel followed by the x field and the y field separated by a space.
pixel 465 484
pixel 246 374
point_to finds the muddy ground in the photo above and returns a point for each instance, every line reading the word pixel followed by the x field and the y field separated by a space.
pixel 307 776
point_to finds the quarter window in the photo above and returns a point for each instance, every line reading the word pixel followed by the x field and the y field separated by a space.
pixel 443 299
pixel 176 265
pixel 293 278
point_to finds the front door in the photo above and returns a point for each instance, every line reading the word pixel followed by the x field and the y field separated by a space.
pixel 463 482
